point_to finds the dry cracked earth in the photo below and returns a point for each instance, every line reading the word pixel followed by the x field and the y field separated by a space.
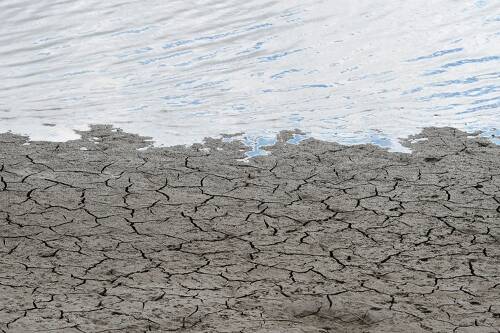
pixel 102 235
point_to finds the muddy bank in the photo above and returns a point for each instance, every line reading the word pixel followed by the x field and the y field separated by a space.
pixel 98 236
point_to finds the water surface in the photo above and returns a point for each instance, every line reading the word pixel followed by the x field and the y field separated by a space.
pixel 350 71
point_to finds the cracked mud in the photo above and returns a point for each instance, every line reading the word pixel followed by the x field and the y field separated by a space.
pixel 98 236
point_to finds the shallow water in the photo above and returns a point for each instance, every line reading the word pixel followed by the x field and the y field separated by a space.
pixel 350 71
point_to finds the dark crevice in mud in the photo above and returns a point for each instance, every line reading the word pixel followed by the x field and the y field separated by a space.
pixel 101 236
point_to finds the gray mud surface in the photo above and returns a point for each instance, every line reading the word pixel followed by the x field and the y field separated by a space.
pixel 97 236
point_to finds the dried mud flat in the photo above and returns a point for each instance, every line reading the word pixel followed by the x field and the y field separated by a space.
pixel 97 236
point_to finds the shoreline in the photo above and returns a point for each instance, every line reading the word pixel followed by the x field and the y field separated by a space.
pixel 315 237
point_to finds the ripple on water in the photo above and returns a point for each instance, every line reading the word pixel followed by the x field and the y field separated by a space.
pixel 350 71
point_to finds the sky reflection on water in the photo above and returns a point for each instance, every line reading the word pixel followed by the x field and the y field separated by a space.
pixel 347 71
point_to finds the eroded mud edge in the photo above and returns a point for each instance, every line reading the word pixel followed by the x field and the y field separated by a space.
pixel 97 236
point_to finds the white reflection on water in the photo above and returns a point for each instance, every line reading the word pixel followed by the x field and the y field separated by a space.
pixel 351 71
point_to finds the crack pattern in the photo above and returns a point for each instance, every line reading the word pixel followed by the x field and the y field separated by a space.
pixel 98 236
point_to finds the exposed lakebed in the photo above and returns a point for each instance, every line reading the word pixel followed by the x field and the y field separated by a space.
pixel 98 234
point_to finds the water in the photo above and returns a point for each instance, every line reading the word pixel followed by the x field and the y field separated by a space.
pixel 350 71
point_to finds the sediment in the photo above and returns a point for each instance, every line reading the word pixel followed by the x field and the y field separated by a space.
pixel 102 235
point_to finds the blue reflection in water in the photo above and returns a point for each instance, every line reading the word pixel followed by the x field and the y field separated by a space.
pixel 297 138
pixel 475 92
pixel 471 61
pixel 257 145
pixel 381 141
pixel 490 106
pixel 437 54
pixel 277 56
